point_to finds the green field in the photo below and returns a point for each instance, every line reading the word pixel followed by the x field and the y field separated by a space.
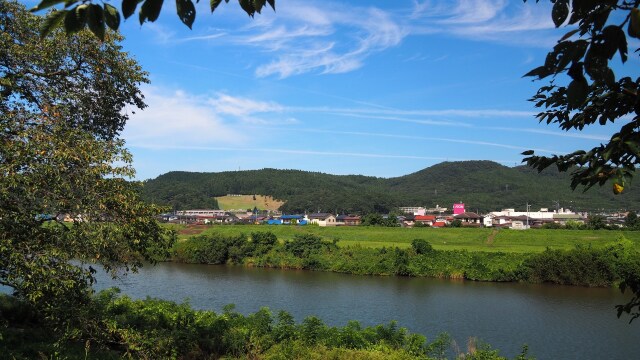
pixel 472 239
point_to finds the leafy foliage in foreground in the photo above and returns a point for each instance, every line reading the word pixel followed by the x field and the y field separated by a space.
pixel 157 329
pixel 595 95
pixel 61 112
pixel 76 17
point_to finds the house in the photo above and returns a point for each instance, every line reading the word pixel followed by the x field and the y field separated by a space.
pixel 519 222
pixel 321 219
pixel 425 219
pixel 225 218
pixel 439 224
pixel 469 219
pixel 348 220
pixel 187 219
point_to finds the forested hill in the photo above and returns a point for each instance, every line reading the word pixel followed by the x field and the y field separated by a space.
pixel 481 185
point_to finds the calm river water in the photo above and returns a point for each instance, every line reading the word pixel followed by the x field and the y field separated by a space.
pixel 557 322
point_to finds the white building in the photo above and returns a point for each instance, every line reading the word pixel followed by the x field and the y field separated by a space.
pixel 543 213
pixel 201 212
pixel 415 210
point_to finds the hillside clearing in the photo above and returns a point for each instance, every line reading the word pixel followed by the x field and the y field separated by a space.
pixel 238 202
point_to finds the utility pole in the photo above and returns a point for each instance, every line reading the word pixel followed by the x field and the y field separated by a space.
pixel 528 207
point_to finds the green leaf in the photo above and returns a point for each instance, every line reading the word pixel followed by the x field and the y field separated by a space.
pixel 258 5
pixel 633 146
pixel 44 4
pixel 560 12
pixel 111 16
pixel 540 72
pixel 76 19
pixel 527 153
pixel 95 20
pixel 214 4
pixel 51 22
pixel 186 11
pixel 272 3
pixel 247 6
pixel 129 7
pixel 614 40
pixel 609 78
pixel 150 10
pixel 568 35
pixel 577 93
pixel 596 63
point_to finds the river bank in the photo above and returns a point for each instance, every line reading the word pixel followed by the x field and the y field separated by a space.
pixel 600 266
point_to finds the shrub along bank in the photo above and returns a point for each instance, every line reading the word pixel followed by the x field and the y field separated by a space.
pixel 585 266
pixel 118 327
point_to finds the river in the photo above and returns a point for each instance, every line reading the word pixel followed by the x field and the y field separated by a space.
pixel 557 322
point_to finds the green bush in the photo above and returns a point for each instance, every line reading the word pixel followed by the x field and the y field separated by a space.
pixel 581 266
pixel 421 246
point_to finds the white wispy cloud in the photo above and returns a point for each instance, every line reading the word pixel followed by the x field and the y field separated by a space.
pixel 216 35
pixel 331 38
pixel 559 133
pixel 174 118
pixel 467 113
pixel 245 108
pixel 160 33
pixel 474 11
pixel 335 39
pixel 321 37
pixel 404 119
pixel 422 138
pixel 512 22
pixel 306 152
pixel 240 106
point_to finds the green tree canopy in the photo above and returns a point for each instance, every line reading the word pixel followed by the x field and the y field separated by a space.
pixel 61 111
pixel 631 221
pixel 594 95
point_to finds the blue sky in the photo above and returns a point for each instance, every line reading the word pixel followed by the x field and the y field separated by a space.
pixel 381 88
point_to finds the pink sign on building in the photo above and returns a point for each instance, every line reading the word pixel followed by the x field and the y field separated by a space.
pixel 458 208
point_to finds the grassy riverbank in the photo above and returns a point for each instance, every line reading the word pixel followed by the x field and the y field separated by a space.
pixel 117 327
pixel 470 239
pixel 593 259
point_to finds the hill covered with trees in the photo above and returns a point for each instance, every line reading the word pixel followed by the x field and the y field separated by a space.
pixel 481 185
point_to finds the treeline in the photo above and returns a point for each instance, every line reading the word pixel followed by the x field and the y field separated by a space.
pixel 584 266
pixel 115 327
pixel 482 185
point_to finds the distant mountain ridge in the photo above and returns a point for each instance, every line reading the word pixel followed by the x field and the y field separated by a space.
pixel 481 185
